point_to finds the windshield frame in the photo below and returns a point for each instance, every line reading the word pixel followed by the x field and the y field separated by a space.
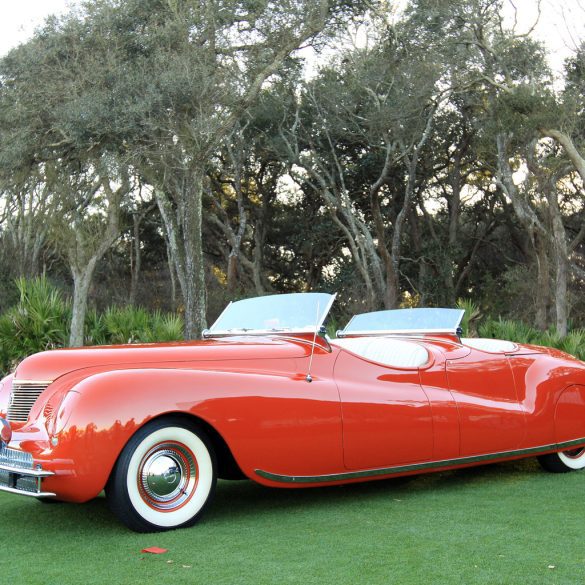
pixel 450 330
pixel 296 330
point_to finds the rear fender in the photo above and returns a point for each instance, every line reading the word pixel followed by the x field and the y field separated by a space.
pixel 570 414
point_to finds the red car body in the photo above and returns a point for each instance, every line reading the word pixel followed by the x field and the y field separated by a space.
pixel 356 419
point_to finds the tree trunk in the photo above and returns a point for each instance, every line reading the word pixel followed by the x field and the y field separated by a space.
pixel 232 271
pixel 194 294
pixel 393 278
pixel 560 247
pixel 542 301
pixel 258 258
pixel 86 249
pixel 567 143
pixel 136 253
pixel 454 206
pixel 82 277
pixel 171 266
pixel 534 227
pixel 169 217
pixel 547 182
pixel 561 259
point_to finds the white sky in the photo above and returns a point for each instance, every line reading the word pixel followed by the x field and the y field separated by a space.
pixel 19 19
pixel 561 27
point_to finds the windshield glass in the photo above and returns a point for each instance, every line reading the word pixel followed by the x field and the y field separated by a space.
pixel 405 321
pixel 288 313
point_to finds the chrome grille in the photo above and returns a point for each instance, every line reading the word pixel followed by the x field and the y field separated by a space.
pixel 24 394
pixel 20 475
pixel 14 458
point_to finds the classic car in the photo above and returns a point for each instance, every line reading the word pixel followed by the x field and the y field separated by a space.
pixel 267 395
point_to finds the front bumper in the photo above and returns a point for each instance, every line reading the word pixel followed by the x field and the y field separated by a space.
pixel 19 474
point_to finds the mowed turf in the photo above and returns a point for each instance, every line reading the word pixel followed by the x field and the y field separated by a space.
pixel 505 523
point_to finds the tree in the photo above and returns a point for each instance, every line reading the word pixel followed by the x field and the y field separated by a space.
pixel 48 88
pixel 357 139
pixel 190 70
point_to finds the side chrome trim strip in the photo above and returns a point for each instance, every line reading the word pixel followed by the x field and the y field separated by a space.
pixel 302 479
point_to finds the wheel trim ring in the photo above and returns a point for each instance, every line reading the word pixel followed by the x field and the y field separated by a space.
pixel 187 487
pixel 574 453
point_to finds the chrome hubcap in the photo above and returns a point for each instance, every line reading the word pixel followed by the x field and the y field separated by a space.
pixel 161 475
pixel 167 476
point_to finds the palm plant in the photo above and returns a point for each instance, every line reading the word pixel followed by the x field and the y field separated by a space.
pixel 38 322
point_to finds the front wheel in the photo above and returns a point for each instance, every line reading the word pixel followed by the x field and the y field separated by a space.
pixel 564 461
pixel 164 478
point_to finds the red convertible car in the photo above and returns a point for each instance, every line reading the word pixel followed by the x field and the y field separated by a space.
pixel 267 396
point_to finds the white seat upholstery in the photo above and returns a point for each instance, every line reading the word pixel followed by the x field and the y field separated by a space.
pixel 490 345
pixel 390 352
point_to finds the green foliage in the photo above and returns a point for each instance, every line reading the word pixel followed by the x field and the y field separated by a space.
pixel 95 329
pixel 573 343
pixel 332 327
pixel 509 330
pixel 134 324
pixel 165 327
pixel 38 322
pixel 472 314
pixel 126 324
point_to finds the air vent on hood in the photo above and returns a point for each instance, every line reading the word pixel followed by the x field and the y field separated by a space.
pixel 24 394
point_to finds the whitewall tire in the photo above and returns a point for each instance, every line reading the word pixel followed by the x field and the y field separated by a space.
pixel 564 461
pixel 164 478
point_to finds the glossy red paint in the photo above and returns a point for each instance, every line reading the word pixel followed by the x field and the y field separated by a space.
pixel 376 401
pixel 356 420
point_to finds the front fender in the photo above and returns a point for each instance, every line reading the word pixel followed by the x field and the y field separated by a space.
pixel 103 411
pixel 268 420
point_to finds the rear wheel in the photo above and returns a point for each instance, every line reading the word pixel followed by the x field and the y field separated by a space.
pixel 164 478
pixel 564 461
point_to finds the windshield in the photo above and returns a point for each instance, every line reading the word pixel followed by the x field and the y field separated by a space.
pixel 288 313
pixel 404 321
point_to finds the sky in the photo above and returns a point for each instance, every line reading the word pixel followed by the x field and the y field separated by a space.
pixel 561 26
pixel 19 19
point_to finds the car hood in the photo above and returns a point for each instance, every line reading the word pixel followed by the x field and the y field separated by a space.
pixel 50 365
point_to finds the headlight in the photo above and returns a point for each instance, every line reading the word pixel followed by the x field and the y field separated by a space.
pixel 5 391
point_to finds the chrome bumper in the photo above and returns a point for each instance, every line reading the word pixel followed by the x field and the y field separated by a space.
pixel 19 475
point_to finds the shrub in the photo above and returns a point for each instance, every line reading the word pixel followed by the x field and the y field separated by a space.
pixel 95 329
pixel 38 322
pixel 470 318
pixel 165 327
pixel 573 343
pixel 131 325
pixel 126 324
pixel 135 324
pixel 510 330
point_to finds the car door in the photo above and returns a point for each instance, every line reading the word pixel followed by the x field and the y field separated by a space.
pixel 386 415
pixel 491 417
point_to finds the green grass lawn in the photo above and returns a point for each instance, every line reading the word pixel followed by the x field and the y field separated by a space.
pixel 506 523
